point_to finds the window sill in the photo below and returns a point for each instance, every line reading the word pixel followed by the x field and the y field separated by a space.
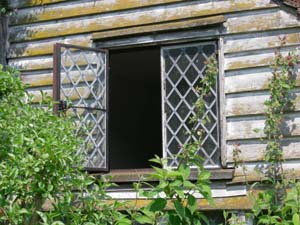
pixel 134 175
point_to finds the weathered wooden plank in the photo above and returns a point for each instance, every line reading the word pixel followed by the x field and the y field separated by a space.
pixel 261 22
pixel 221 203
pixel 259 59
pixel 261 42
pixel 229 203
pixel 134 175
pixel 161 38
pixel 254 80
pixel 253 103
pixel 28 3
pixel 160 27
pixel 46 47
pixel 46 62
pixel 81 9
pixel 32 63
pixel 73 95
pixel 141 17
pixel 249 81
pixel 253 171
pixel 46 79
pixel 249 128
pixel 253 150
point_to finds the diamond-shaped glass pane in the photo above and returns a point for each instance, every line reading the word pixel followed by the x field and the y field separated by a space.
pixel 92 128
pixel 183 87
pixel 174 99
pixel 191 74
pixel 174 75
pixel 184 72
pixel 183 111
pixel 83 82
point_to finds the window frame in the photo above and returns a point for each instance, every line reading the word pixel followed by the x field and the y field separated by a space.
pixel 57 86
pixel 178 38
pixel 213 33
pixel 164 101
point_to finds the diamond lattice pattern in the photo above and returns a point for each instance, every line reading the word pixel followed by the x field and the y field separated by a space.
pixel 184 67
pixel 83 82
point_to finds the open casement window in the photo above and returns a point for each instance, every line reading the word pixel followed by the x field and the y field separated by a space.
pixel 80 87
pixel 183 67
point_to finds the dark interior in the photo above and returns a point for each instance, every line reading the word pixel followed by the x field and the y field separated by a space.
pixel 134 107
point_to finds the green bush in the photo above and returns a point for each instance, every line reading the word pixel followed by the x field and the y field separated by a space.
pixel 38 164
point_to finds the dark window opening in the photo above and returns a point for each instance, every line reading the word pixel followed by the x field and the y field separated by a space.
pixel 135 133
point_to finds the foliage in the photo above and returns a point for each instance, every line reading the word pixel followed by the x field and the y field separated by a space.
pixel 4 8
pixel 37 165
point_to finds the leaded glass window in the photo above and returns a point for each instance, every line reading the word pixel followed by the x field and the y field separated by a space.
pixel 183 68
pixel 81 85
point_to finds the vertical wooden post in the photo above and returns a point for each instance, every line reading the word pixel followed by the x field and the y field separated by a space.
pixel 3 38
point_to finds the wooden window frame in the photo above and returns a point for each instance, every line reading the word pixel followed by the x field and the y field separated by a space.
pixel 177 37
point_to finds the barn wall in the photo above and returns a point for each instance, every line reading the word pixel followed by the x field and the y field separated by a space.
pixel 251 35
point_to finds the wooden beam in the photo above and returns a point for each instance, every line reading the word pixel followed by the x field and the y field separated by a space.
pixel 185 24
pixel 81 9
pixel 3 38
pixel 226 203
pixel 135 175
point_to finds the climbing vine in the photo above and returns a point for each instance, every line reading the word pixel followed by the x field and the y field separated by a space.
pixel 275 206
pixel 278 202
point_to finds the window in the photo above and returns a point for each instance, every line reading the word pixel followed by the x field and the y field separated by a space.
pixel 183 68
pixel 139 108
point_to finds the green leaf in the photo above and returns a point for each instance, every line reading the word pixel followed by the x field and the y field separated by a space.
pixel 124 221
pixel 158 204
pixel 204 175
pixel 143 219
pixel 296 219
pixel 179 208
pixel 43 216
pixel 23 211
pixel 192 202
pixel 185 171
pixel 174 220
pixel 57 223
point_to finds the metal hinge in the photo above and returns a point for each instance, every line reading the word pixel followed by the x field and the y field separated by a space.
pixel 62 105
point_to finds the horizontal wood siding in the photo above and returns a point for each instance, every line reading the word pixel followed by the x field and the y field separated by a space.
pixel 67 10
pixel 130 19
pixel 251 34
